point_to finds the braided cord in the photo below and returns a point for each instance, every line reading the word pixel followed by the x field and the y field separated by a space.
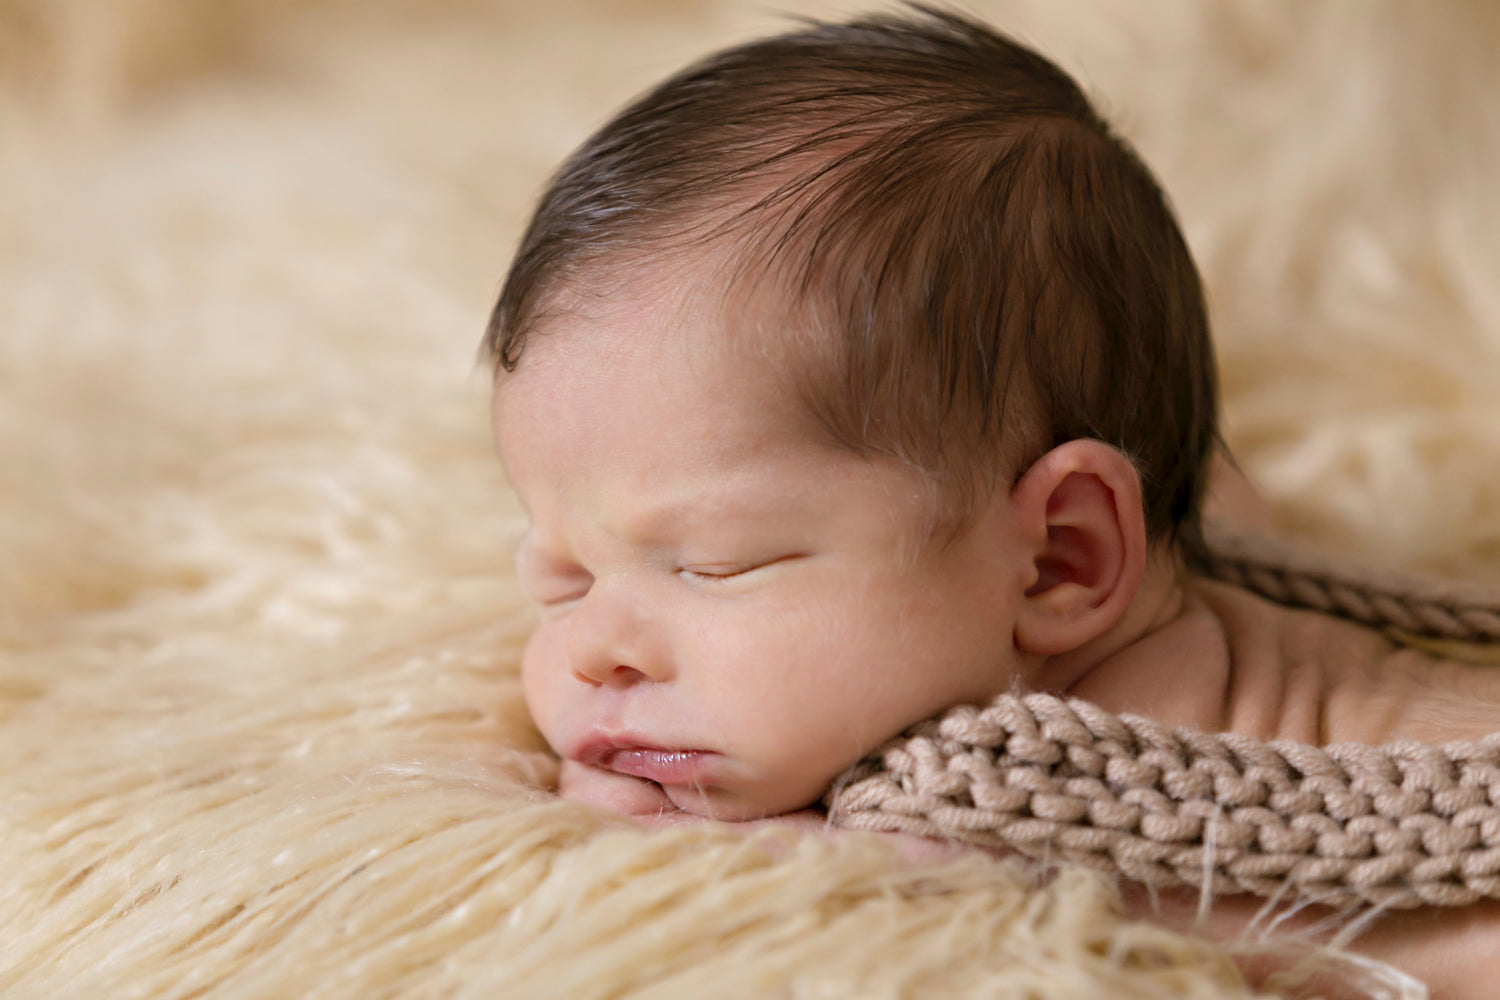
pixel 1299 577
pixel 1399 826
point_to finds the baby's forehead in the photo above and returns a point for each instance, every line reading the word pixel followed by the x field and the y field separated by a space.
pixel 701 303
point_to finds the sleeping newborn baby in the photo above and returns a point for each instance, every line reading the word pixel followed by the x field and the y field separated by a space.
pixel 861 372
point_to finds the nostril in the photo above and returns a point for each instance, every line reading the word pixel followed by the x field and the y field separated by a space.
pixel 623 675
pixel 617 676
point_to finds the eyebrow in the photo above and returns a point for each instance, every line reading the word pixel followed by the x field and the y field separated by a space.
pixel 664 517
pixel 673 516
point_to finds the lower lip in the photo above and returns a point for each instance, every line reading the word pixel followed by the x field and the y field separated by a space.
pixel 665 767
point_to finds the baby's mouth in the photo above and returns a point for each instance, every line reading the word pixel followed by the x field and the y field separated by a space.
pixel 663 766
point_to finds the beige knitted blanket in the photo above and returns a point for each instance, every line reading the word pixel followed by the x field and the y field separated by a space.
pixel 1400 825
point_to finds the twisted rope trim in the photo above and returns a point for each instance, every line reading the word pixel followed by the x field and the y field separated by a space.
pixel 1304 578
pixel 1398 826
pixel 1401 825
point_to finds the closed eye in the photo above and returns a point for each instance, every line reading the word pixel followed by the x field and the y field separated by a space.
pixel 733 570
pixel 554 595
pixel 551 582
pixel 715 573
pixel 561 600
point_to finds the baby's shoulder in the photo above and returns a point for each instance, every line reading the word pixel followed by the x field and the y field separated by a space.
pixel 1257 628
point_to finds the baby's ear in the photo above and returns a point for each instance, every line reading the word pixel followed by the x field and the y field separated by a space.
pixel 1080 513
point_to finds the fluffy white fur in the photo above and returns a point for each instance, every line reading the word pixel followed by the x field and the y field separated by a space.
pixel 260 729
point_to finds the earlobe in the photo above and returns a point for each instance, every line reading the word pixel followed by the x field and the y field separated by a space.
pixel 1082 515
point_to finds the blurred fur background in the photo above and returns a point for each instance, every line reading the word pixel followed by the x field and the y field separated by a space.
pixel 260 732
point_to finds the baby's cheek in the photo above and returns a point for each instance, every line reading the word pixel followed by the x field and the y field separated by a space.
pixel 542 673
pixel 806 748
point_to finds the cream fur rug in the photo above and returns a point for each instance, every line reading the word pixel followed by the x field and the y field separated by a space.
pixel 260 731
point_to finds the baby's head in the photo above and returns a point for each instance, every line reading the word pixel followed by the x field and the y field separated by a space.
pixel 846 376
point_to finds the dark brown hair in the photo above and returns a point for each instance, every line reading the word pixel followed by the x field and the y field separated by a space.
pixel 949 208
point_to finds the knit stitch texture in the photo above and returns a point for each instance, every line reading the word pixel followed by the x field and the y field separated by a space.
pixel 1400 825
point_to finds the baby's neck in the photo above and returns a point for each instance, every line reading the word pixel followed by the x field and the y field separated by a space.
pixel 1221 659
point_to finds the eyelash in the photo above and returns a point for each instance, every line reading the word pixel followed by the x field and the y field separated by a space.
pixel 698 574
pixel 695 575
pixel 561 601
pixel 555 592
pixel 555 602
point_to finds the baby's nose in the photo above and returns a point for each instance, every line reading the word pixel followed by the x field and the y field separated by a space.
pixel 611 644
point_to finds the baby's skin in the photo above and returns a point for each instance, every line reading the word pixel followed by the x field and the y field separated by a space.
pixel 734 610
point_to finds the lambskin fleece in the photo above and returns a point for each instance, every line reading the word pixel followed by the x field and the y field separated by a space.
pixel 261 732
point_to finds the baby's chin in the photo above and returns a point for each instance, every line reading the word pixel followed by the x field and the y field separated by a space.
pixel 735 805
